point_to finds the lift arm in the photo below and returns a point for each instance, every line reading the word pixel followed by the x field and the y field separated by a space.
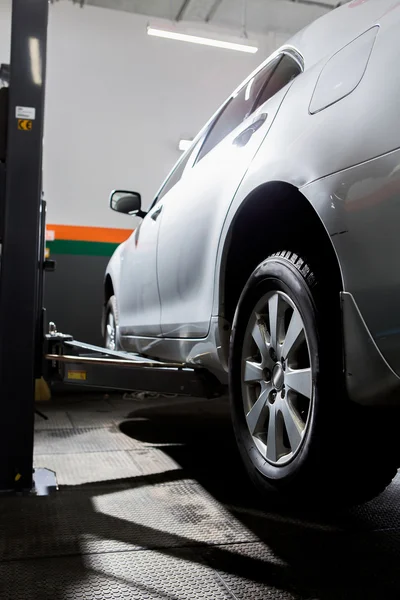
pixel 100 368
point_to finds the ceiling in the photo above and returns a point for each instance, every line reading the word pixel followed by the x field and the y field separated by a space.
pixel 262 16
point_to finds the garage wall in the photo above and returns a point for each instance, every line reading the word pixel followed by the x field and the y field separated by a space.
pixel 117 103
pixel 5 30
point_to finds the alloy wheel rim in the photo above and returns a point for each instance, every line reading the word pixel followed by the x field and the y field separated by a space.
pixel 277 378
pixel 110 332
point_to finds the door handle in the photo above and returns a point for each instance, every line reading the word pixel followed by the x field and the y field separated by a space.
pixel 245 136
pixel 154 215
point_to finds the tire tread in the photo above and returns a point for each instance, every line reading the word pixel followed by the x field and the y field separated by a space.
pixel 331 478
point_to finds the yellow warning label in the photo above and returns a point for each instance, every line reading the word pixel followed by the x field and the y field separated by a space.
pixel 25 124
pixel 77 375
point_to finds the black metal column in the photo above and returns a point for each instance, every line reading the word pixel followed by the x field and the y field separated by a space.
pixel 20 253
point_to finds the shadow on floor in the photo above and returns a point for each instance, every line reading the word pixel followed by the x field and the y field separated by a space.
pixel 348 554
pixel 87 540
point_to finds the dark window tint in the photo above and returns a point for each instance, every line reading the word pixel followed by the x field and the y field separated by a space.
pixel 237 109
pixel 286 70
pixel 267 82
pixel 175 175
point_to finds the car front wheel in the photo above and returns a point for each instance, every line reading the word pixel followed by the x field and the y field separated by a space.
pixel 294 426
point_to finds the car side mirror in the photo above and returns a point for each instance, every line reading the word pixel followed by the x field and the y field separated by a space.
pixel 128 203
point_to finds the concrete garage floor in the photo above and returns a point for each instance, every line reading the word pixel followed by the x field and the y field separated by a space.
pixel 154 504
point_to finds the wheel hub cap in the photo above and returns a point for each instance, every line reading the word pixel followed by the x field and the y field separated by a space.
pixel 278 377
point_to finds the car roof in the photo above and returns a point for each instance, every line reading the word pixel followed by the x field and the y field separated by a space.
pixel 321 39
pixel 330 33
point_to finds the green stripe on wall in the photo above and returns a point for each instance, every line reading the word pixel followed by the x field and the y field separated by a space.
pixel 82 248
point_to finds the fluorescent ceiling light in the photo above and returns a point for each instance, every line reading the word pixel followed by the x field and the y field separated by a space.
pixel 205 41
pixel 184 145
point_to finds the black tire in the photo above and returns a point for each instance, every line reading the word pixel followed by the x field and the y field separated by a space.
pixel 111 310
pixel 336 461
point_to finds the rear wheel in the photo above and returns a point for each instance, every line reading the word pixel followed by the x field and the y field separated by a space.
pixel 297 433
pixel 277 378
pixel 110 332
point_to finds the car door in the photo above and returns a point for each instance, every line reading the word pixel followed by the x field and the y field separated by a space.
pixel 194 211
pixel 139 299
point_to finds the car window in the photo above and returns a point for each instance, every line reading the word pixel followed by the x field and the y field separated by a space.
pixel 175 176
pixel 284 71
pixel 238 108
pixel 267 82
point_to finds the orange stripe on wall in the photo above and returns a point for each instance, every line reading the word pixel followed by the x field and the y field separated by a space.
pixel 89 234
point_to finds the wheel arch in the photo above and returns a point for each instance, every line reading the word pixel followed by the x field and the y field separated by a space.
pixel 275 216
pixel 108 288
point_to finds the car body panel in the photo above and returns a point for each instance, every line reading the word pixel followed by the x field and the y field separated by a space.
pixel 209 352
pixel 200 201
pixel 139 305
pixel 337 80
pixel 113 271
pixel 369 378
pixel 362 218
pixel 328 34
pixel 297 152
pixel 345 161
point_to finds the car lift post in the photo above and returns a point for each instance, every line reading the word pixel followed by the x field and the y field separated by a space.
pixel 20 235
pixel 25 351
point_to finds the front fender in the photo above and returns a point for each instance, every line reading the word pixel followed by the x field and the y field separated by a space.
pixel 112 273
pixel 113 270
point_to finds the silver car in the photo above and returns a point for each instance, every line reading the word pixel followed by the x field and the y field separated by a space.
pixel 270 256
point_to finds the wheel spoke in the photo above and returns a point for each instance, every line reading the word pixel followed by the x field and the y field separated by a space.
pixel 253 372
pixel 294 425
pixel 293 335
pixel 299 381
pixel 277 377
pixel 273 319
pixel 259 337
pixel 110 332
pixel 271 435
pixel 258 411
